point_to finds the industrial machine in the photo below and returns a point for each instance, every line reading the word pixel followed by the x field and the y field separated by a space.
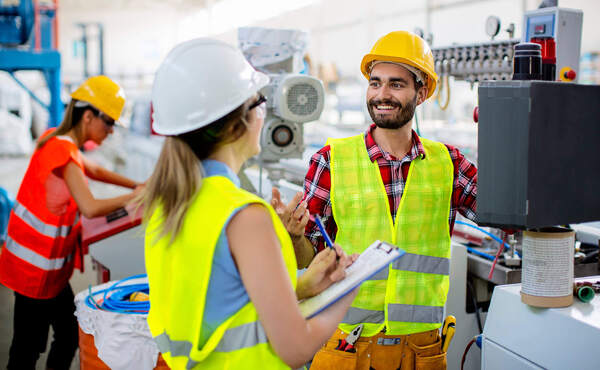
pixel 28 41
pixel 482 61
pixel 492 60
pixel 537 166
pixel 564 26
pixel 292 98
pixel 525 179
pixel 476 62
pixel 517 336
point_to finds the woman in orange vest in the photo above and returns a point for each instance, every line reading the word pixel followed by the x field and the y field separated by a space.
pixel 37 259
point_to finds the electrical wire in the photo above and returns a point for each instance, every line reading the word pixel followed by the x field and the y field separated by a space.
pixel 488 234
pixel 116 297
pixel 444 81
pixel 480 253
pixel 474 298
pixel 500 249
pixel 464 356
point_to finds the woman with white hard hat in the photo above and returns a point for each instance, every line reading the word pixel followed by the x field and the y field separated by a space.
pixel 43 232
pixel 220 263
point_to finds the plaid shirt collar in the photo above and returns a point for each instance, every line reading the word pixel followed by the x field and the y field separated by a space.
pixel 375 152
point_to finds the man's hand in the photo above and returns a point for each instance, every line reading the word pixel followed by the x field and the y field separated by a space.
pixel 294 215
pixel 326 268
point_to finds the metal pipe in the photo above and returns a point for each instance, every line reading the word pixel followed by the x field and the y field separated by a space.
pixel 101 46
pixel 84 41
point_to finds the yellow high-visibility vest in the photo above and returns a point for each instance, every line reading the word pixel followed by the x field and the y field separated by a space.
pixel 409 296
pixel 178 275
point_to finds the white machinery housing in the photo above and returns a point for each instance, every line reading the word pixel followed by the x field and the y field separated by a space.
pixel 517 336
pixel 293 99
pixel 564 25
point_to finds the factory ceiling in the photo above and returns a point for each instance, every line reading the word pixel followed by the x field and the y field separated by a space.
pixel 67 5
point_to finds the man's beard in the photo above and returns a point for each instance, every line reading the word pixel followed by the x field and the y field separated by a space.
pixel 397 120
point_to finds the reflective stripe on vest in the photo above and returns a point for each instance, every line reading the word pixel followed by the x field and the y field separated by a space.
pixel 175 347
pixel 34 258
pixel 396 312
pixel 417 263
pixel 242 336
pixel 40 226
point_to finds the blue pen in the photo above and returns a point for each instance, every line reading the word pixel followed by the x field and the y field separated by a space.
pixel 325 235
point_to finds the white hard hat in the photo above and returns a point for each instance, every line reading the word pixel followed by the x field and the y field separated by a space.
pixel 200 81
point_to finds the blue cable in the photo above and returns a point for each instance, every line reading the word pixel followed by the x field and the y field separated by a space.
pixel 116 298
pixel 488 234
pixel 481 254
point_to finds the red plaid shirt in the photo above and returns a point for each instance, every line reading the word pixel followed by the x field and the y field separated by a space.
pixel 394 171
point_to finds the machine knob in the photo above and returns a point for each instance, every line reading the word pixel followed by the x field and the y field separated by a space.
pixel 567 74
pixel 570 75
pixel 476 114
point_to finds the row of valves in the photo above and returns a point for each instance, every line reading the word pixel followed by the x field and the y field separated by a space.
pixel 476 62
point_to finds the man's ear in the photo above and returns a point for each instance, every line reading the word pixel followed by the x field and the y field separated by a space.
pixel 422 94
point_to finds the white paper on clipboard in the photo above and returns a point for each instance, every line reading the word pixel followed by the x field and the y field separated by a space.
pixel 374 259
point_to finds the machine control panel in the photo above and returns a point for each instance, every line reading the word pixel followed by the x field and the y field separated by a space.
pixel 540 26
pixel 564 26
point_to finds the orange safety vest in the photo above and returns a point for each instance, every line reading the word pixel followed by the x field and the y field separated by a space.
pixel 38 257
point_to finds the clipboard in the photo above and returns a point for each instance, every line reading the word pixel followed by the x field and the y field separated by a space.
pixel 374 259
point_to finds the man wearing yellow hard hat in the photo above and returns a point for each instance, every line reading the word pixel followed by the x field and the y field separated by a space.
pixel 390 184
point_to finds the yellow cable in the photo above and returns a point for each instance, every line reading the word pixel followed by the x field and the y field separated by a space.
pixel 444 81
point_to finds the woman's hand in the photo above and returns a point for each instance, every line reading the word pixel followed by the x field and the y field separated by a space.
pixel 326 268
pixel 139 188
pixel 294 215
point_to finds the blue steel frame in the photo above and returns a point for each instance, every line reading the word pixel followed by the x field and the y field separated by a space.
pixel 46 61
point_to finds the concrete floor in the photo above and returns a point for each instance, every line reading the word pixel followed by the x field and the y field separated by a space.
pixel 12 170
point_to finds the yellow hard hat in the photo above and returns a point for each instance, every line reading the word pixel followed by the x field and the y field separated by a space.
pixel 403 47
pixel 103 93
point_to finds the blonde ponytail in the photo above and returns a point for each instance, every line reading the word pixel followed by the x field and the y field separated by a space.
pixel 177 175
pixel 173 185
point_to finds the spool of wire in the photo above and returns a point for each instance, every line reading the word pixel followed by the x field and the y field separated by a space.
pixel 116 297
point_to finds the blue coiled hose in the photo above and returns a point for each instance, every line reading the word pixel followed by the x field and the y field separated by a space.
pixel 116 298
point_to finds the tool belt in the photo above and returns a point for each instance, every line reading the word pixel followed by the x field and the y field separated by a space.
pixel 422 351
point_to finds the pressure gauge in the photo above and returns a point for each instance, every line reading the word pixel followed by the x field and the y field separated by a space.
pixel 492 26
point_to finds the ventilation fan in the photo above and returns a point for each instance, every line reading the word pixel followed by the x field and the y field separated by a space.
pixel 298 98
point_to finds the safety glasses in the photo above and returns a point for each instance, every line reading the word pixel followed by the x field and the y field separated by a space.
pixel 261 99
pixel 260 104
pixel 109 122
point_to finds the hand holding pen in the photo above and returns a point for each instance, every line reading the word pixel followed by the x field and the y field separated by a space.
pixel 327 267
pixel 328 241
